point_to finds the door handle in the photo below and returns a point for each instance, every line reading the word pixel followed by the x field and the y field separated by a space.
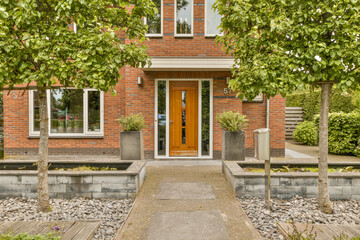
pixel 171 122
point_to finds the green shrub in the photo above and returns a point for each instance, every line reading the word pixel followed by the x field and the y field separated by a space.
pixel 344 132
pixel 133 122
pixel 307 132
pixel 310 102
pixel 25 236
pixel 232 122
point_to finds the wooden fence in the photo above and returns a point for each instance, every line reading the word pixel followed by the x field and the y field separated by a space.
pixel 294 115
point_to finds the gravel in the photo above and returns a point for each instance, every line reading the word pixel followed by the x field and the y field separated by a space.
pixel 303 210
pixel 110 212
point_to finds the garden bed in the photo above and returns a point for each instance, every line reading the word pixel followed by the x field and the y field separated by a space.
pixel 68 179
pixel 286 185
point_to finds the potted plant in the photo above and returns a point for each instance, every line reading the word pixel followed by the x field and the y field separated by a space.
pixel 233 136
pixel 131 137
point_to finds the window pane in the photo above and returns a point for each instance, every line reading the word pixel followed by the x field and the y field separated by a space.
pixel 205 118
pixel 67 111
pixel 161 118
pixel 213 19
pixel 36 112
pixel 94 111
pixel 183 16
pixel 154 22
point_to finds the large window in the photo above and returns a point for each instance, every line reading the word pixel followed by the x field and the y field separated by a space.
pixel 72 112
pixel 155 22
pixel 183 18
pixel 212 19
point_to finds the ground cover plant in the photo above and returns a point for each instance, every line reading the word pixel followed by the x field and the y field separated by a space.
pixel 289 168
pixel 39 51
pixel 25 236
pixel 281 46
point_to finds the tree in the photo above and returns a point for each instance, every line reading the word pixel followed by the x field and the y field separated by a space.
pixel 279 46
pixel 39 51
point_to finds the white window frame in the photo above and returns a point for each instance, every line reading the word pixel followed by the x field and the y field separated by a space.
pixel 205 33
pixel 192 21
pixel 167 134
pixel 162 22
pixel 85 133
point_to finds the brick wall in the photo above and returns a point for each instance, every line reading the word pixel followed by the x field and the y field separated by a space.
pixel 133 98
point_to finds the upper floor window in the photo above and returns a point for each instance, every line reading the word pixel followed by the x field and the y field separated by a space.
pixel 184 18
pixel 212 19
pixel 155 22
pixel 72 112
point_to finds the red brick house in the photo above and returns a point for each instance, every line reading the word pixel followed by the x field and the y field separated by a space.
pixel 179 96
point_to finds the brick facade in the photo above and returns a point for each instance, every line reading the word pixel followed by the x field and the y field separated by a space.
pixel 134 98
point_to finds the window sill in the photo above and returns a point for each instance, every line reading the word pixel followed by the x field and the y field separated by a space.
pixel 154 36
pixel 68 137
pixel 184 36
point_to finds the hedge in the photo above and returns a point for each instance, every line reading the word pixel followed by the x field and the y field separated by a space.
pixel 307 132
pixel 310 102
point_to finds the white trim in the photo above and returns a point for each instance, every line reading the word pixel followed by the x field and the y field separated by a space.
pixel 162 23
pixel 205 28
pixel 86 133
pixel 192 20
pixel 199 118
pixel 189 64
pixel 167 118
pixel 167 80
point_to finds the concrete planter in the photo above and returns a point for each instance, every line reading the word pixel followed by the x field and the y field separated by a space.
pixel 131 145
pixel 69 184
pixel 233 146
pixel 286 185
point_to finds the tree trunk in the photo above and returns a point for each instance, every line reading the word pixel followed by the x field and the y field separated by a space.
pixel 325 204
pixel 43 188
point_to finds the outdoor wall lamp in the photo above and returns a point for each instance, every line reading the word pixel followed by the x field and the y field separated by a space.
pixel 227 80
pixel 140 80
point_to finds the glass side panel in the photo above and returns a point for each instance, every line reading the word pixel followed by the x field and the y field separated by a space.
pixel 67 111
pixel 184 17
pixel 213 19
pixel 94 111
pixel 205 118
pixel 154 22
pixel 161 118
pixel 36 112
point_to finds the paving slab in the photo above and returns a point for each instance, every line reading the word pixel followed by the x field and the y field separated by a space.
pixel 197 225
pixel 147 205
pixel 199 190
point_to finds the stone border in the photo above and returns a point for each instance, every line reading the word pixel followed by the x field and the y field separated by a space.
pixel 285 185
pixel 66 184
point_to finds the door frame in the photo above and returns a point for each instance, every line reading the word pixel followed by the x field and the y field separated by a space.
pixel 167 146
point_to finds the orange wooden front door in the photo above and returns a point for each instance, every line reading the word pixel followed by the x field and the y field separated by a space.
pixel 183 118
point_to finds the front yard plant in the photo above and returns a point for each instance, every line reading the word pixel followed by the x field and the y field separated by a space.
pixel 307 132
pixel 233 136
pixel 131 137
pixel 133 122
pixel 344 133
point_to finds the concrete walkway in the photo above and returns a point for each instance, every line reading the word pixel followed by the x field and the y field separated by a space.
pixel 188 202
